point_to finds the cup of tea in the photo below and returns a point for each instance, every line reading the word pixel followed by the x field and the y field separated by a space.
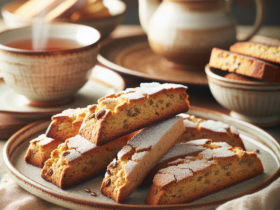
pixel 48 63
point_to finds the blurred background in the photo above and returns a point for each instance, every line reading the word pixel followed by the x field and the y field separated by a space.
pixel 243 10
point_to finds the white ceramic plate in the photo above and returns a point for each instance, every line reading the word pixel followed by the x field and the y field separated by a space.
pixel 102 82
pixel 28 176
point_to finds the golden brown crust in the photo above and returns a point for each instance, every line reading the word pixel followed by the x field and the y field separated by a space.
pixel 244 65
pixel 120 114
pixel 260 51
pixel 138 157
pixel 195 177
pixel 66 124
pixel 197 128
pixel 78 160
pixel 39 150
pixel 178 151
pixel 238 77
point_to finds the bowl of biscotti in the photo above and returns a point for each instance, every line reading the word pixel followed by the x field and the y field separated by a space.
pixel 141 144
pixel 246 80
pixel 104 15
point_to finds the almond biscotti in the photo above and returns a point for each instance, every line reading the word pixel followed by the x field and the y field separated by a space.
pixel 66 124
pixel 40 150
pixel 191 148
pixel 244 65
pixel 123 113
pixel 186 180
pixel 197 128
pixel 138 157
pixel 78 159
pixel 260 51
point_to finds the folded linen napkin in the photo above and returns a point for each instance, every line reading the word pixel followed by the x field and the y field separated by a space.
pixel 14 197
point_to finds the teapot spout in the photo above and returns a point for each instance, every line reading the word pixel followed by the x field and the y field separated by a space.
pixel 146 10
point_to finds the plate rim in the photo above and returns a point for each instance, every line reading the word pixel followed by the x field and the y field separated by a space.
pixel 92 204
pixel 130 72
pixel 44 113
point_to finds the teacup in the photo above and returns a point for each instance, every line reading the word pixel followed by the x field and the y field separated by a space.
pixel 44 75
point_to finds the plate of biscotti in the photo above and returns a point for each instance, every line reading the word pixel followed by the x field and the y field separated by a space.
pixel 142 148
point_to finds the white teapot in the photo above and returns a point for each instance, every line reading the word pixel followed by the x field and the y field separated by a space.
pixel 185 31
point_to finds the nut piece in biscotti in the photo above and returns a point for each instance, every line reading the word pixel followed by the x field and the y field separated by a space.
pixel 123 113
pixel 40 150
pixel 138 157
pixel 191 178
pixel 78 159
pixel 197 128
pixel 191 148
pixel 66 124
pixel 244 65
pixel 260 51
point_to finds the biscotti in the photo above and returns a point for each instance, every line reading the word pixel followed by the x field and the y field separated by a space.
pixel 138 157
pixel 188 179
pixel 239 77
pixel 191 148
pixel 197 128
pixel 78 159
pixel 260 51
pixel 66 124
pixel 40 150
pixel 123 113
pixel 244 65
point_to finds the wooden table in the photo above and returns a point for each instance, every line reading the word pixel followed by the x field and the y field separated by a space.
pixel 199 96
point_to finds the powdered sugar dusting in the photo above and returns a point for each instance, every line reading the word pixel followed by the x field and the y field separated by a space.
pixel 233 130
pixel 133 96
pixel 154 87
pixel 182 150
pixel 45 141
pixel 39 138
pixel 183 115
pixel 73 155
pixel 215 126
pixel 147 138
pixel 190 124
pixel 200 142
pixel 79 143
pixel 222 144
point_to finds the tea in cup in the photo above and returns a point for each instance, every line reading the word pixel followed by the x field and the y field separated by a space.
pixel 52 67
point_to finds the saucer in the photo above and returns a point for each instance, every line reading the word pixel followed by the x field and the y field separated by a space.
pixel 132 55
pixel 102 82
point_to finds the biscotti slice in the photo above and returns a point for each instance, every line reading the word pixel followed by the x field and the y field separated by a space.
pixel 40 150
pixel 78 159
pixel 66 124
pixel 244 65
pixel 191 148
pixel 260 51
pixel 188 179
pixel 197 128
pixel 239 77
pixel 138 157
pixel 123 113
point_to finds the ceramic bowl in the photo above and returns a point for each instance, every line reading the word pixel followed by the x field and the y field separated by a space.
pixel 49 75
pixel 105 26
pixel 255 102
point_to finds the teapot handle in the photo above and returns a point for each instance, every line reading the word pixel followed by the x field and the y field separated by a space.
pixel 261 8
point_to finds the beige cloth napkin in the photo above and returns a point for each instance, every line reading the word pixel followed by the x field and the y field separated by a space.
pixel 14 197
